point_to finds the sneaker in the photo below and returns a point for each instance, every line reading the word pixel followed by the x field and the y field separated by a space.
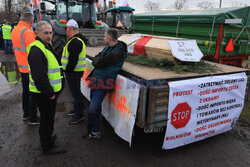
pixel 92 135
pixel 25 118
pixel 68 114
pixel 37 122
pixel 55 150
pixel 75 120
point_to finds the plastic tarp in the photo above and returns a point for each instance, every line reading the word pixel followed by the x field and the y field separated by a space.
pixel 200 25
pixel 120 8
pixel 197 16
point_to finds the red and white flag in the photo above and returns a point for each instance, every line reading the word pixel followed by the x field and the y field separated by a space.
pixel 136 44
pixel 34 4
pixel 96 4
pixel 125 3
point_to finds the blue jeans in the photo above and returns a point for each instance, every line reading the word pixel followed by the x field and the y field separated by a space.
pixel 95 108
pixel 8 46
pixel 74 81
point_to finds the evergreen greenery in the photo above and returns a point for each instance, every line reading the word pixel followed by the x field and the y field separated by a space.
pixel 166 65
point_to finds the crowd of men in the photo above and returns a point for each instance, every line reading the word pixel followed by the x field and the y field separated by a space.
pixel 43 74
pixel 5 36
pixel 9 69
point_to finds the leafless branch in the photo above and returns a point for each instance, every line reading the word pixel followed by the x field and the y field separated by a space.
pixel 152 6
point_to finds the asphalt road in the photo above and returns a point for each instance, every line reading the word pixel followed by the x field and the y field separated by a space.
pixel 20 146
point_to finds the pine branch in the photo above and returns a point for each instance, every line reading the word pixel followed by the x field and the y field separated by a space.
pixel 177 67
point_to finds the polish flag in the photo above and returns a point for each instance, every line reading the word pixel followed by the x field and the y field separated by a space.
pixel 125 3
pixel 35 4
pixel 96 4
pixel 31 6
pixel 136 44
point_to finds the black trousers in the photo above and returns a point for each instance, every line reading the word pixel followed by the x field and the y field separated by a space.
pixel 29 104
pixel 47 108
pixel 74 81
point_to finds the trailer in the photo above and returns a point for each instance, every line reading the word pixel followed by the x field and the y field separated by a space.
pixel 152 112
pixel 211 28
pixel 153 100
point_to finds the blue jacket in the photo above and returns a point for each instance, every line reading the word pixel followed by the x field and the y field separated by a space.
pixel 107 65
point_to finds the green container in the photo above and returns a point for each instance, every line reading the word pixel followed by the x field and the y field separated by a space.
pixel 201 25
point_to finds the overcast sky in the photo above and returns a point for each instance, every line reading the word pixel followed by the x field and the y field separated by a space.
pixel 138 5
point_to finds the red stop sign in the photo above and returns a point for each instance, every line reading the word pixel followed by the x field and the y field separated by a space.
pixel 181 115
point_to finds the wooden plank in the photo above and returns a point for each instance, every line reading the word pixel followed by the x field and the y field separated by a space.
pixel 156 73
pixel 157 47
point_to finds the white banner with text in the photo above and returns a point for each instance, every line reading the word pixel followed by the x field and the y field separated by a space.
pixel 203 107
pixel 119 107
pixel 185 50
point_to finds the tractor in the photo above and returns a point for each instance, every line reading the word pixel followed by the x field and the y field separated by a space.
pixel 119 17
pixel 57 12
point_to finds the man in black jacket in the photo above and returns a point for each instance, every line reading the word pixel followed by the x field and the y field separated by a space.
pixel 102 79
pixel 45 84
pixel 73 61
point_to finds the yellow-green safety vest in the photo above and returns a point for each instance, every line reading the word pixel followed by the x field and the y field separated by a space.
pixel 12 77
pixel 54 74
pixel 6 30
pixel 81 64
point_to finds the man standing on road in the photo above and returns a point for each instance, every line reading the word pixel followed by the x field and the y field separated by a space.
pixel 45 84
pixel 73 61
pixel 6 31
pixel 107 65
pixel 22 36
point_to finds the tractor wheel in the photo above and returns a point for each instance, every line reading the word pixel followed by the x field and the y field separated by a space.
pixel 93 41
pixel 58 42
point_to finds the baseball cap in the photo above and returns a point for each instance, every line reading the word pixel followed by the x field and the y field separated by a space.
pixel 71 23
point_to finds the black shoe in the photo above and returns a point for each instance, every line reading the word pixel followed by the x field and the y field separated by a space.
pixel 69 114
pixel 53 151
pixel 34 122
pixel 92 135
pixel 75 120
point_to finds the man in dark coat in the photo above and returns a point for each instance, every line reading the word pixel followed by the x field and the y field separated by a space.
pixel 102 79
pixel 46 82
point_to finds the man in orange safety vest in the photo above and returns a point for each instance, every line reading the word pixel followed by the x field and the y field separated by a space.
pixel 22 36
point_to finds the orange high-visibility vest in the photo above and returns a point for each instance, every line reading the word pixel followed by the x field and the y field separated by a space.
pixel 21 37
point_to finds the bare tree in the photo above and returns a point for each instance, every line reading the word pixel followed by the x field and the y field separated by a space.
pixel 105 5
pixel 8 8
pixel 205 4
pixel 11 8
pixel 18 5
pixel 152 6
pixel 236 4
pixel 179 4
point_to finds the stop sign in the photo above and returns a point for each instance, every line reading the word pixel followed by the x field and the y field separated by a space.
pixel 181 115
